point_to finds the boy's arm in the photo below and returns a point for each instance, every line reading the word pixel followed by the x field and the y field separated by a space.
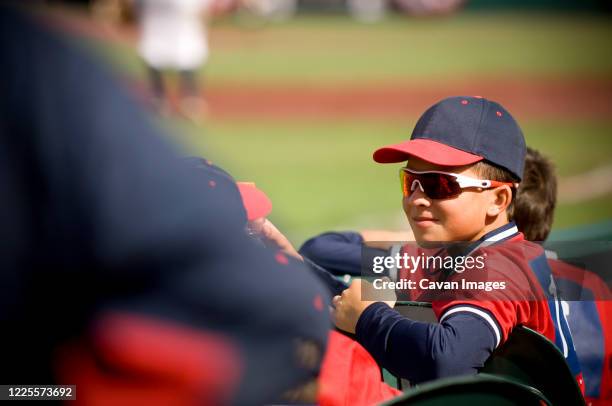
pixel 414 350
pixel 339 252
pixel 421 351
pixel 385 239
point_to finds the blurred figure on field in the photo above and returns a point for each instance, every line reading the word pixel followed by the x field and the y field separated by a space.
pixel 424 8
pixel 173 37
pixel 367 11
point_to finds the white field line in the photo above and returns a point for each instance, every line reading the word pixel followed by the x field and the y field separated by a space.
pixel 586 186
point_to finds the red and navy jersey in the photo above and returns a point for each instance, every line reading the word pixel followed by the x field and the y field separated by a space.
pixel 471 324
pixel 529 297
pixel 588 310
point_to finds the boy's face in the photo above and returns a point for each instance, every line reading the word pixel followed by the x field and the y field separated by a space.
pixel 461 218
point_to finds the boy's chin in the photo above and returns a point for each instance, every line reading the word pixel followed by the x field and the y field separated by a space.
pixel 431 237
pixel 428 238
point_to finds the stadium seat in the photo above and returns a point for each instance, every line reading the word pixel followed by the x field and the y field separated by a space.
pixel 419 311
pixel 527 358
pixel 475 390
pixel 531 359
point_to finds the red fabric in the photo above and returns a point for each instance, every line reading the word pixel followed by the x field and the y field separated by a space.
pixel 255 201
pixel 427 150
pixel 133 360
pixel 522 302
pixel 350 376
pixel 603 302
pixel 605 316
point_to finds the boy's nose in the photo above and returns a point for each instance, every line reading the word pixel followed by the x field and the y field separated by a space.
pixel 416 184
pixel 417 195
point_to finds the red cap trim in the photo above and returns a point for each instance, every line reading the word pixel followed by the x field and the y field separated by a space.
pixel 428 150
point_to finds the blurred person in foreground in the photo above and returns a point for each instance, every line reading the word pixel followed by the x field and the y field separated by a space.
pixel 174 38
pixel 120 273
pixel 257 206
pixel 349 375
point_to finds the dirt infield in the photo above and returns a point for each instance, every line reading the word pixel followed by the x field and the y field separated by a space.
pixel 527 99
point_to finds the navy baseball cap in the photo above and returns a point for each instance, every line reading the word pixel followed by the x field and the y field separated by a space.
pixel 460 131
pixel 255 202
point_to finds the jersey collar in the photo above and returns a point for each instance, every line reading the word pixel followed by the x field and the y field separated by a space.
pixel 504 233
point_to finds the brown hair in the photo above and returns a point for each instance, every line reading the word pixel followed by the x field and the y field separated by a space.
pixel 534 206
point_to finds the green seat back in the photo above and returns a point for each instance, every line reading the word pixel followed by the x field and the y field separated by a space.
pixel 473 390
pixel 531 359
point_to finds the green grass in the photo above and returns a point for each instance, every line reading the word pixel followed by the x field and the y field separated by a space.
pixel 574 146
pixel 320 175
pixel 334 49
pixel 593 211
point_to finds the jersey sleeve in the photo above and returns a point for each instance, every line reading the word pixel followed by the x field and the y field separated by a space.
pixel 503 297
pixel 420 351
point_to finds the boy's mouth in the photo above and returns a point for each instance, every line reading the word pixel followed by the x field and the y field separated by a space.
pixel 424 221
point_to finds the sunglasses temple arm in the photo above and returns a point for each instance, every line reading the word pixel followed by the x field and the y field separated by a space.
pixel 495 183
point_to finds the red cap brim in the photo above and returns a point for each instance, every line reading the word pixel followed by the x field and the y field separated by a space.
pixel 255 202
pixel 427 150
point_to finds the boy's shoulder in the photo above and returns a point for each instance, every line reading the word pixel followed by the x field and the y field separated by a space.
pixel 521 264
pixel 518 252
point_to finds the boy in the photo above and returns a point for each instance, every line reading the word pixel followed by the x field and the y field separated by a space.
pixel 534 207
pixel 465 159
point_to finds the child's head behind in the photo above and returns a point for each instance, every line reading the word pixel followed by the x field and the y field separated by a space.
pixel 471 137
pixel 535 202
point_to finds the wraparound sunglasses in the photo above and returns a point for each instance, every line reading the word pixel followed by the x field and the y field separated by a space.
pixel 443 185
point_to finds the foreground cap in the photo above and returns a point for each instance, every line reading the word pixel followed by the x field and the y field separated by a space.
pixel 460 131
pixel 256 203
pixel 250 199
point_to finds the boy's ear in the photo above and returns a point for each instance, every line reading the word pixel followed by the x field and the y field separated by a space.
pixel 501 197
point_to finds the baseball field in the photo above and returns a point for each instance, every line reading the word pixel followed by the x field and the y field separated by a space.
pixel 298 107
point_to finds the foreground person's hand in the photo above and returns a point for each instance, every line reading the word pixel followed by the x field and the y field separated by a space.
pixel 274 238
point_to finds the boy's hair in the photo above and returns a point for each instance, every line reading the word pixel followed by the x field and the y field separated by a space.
pixel 490 171
pixel 536 198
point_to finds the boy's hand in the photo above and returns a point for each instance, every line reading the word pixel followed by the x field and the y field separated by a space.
pixel 349 306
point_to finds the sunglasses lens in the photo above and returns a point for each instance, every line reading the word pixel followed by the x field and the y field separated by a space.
pixel 406 180
pixel 440 186
pixel 435 185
